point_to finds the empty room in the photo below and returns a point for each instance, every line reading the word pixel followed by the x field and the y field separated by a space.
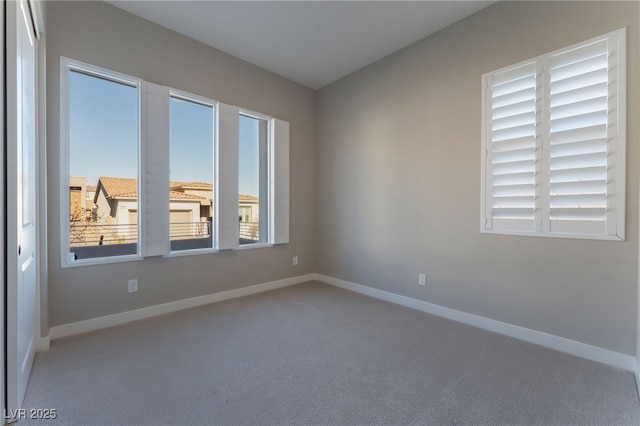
pixel 320 212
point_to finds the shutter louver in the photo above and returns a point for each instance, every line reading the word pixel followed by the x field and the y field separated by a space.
pixel 512 156
pixel 579 139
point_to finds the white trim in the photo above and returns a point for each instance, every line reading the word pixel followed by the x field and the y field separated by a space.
pixel 554 235
pixel 196 99
pixel 38 20
pixel 152 311
pixel 3 265
pixel 583 350
pixel 103 260
pixel 42 260
pixel 191 252
pixel 253 246
pixel 636 375
pixel 67 65
pixel 43 344
pixel 278 181
pixel 153 189
pixel 253 114
pixel 214 105
pixel 226 178
pixel 613 226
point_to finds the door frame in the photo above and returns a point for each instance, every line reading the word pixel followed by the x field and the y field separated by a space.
pixel 3 222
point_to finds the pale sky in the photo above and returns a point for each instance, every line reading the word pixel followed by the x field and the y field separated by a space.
pixel 104 127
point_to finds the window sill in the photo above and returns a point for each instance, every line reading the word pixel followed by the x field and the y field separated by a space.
pixel 555 235
pixel 194 252
pixel 254 246
pixel 100 261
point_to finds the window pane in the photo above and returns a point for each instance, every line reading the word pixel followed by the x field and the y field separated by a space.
pixel 103 167
pixel 191 187
pixel 253 183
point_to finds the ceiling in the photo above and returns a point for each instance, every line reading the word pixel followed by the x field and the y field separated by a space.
pixel 311 42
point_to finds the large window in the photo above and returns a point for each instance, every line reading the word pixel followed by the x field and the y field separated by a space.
pixel 147 170
pixel 191 173
pixel 102 152
pixel 253 196
pixel 554 143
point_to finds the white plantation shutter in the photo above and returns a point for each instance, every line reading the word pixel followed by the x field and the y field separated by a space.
pixel 280 181
pixel 511 154
pixel 554 143
pixel 583 133
pixel 154 172
pixel 227 183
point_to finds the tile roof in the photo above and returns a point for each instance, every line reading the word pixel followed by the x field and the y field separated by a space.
pixel 176 195
pixel 128 188
pixel 115 187
pixel 118 187
pixel 198 185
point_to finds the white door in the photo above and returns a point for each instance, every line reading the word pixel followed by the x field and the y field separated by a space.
pixel 21 200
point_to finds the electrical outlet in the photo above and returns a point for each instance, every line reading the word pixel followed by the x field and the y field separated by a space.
pixel 422 279
pixel 295 260
pixel 133 286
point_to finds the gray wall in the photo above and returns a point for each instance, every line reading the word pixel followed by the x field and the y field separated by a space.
pixel 103 35
pixel 399 181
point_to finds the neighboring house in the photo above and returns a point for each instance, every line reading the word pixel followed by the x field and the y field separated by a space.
pixel 77 197
pixel 201 190
pixel 115 204
pixel 116 201
pixel 248 205
pixel 88 199
pixel 248 208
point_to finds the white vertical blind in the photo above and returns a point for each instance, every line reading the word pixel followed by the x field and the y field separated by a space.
pixel 280 181
pixel 226 197
pixel 555 143
pixel 154 173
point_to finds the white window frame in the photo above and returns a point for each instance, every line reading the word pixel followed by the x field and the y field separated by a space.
pixel 614 223
pixel 151 241
pixel 214 105
pixel 66 66
pixel 277 175
pixel 269 172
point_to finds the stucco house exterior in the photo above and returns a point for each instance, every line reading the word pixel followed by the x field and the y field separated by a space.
pixel 115 205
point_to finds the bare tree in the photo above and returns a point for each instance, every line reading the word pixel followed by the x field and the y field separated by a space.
pixel 81 227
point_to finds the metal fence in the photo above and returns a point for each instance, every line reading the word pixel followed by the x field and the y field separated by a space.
pixel 250 231
pixel 84 234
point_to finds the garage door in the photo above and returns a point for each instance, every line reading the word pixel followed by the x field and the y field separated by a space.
pixel 133 224
pixel 181 225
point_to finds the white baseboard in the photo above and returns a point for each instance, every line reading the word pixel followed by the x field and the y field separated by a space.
pixel 637 375
pixel 152 311
pixel 43 344
pixel 583 350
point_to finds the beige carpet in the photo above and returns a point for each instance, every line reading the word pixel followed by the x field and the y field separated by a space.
pixel 313 354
